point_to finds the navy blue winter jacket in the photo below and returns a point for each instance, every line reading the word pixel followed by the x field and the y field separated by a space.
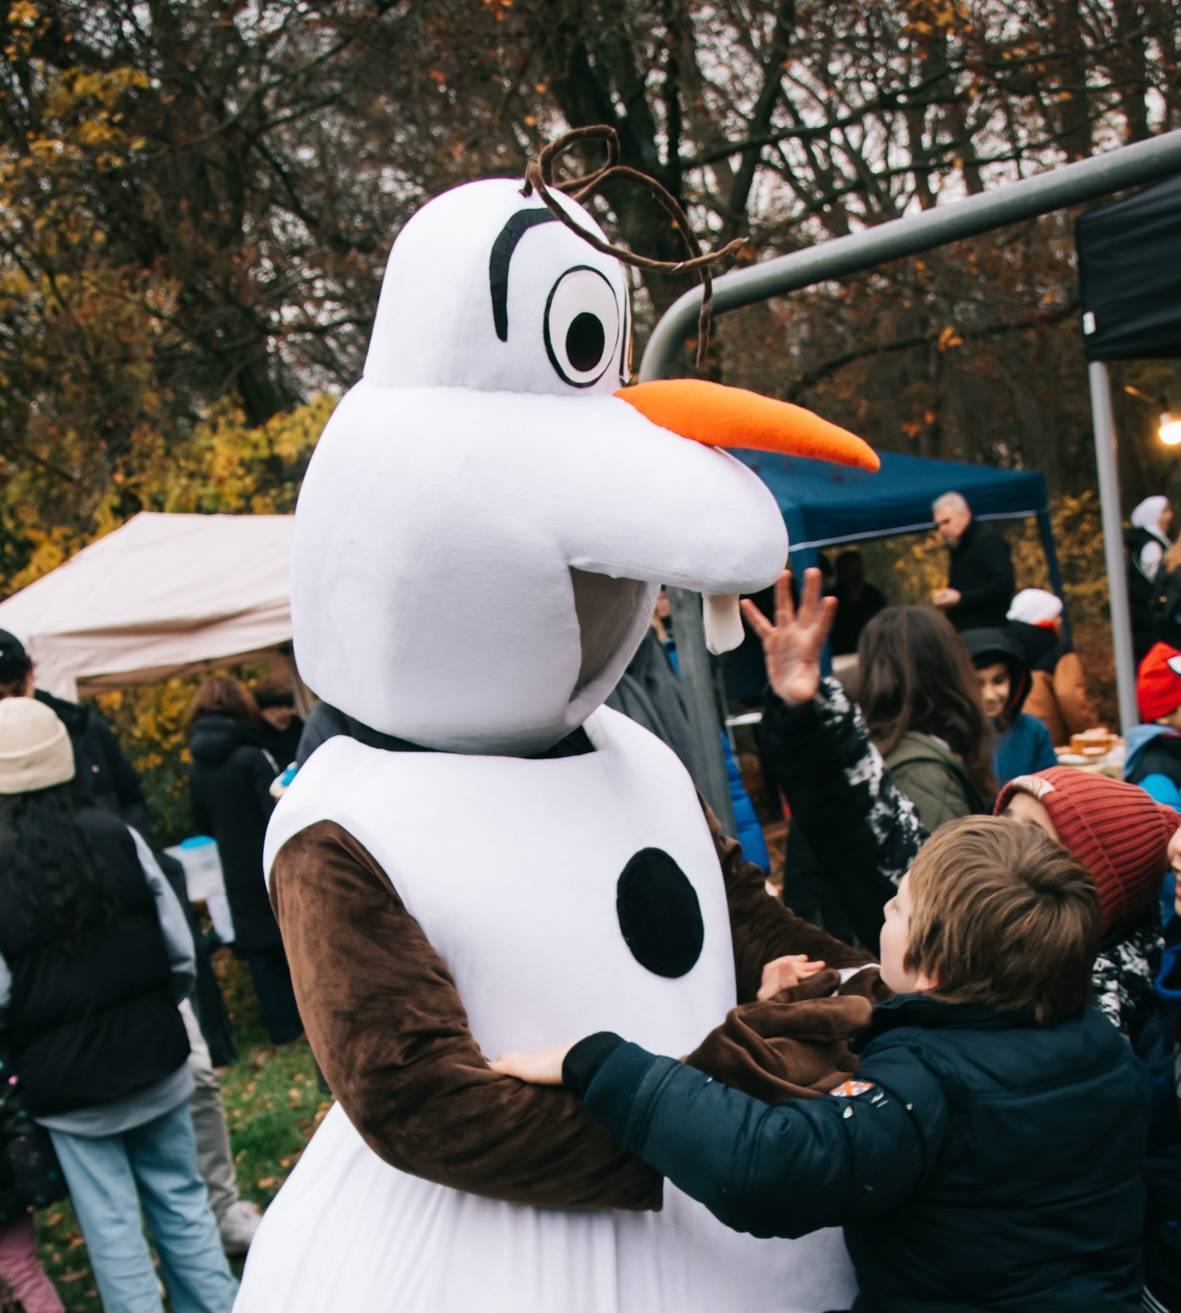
pixel 977 1162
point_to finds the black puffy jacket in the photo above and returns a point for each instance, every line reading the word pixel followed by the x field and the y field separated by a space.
pixel 977 1163
pixel 230 781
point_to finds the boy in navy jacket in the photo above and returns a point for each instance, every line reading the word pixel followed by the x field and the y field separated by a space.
pixel 986 1155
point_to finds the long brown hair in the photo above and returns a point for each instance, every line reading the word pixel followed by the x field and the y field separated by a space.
pixel 226 697
pixel 915 675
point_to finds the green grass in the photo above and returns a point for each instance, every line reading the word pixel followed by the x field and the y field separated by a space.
pixel 272 1103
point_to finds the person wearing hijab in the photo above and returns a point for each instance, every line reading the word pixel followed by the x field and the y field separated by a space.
pixel 1147 542
pixel 1153 518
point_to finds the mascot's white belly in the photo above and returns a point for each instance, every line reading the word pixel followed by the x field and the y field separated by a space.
pixel 511 867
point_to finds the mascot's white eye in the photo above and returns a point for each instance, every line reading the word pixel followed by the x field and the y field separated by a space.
pixel 581 326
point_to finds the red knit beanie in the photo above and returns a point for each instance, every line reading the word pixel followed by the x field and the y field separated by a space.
pixel 1158 682
pixel 1115 830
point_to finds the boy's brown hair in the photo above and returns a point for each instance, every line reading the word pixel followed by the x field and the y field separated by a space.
pixel 1003 916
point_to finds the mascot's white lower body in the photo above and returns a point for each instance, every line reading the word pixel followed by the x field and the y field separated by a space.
pixel 350 1234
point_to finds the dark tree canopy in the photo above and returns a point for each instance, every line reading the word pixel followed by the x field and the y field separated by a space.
pixel 199 198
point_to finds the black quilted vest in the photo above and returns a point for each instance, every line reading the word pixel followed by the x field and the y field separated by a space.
pixel 95 1022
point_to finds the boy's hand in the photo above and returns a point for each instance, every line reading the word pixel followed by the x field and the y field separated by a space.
pixel 785 973
pixel 537 1066
pixel 792 645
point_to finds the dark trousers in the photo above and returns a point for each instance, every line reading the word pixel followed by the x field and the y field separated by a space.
pixel 276 998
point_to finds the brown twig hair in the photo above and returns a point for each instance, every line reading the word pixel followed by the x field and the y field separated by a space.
pixel 539 177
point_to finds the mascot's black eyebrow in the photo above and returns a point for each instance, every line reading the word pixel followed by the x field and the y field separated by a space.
pixel 502 253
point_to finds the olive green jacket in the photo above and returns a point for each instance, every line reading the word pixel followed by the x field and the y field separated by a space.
pixel 934 779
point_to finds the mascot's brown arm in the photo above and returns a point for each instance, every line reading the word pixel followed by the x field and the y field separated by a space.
pixel 761 927
pixel 388 1029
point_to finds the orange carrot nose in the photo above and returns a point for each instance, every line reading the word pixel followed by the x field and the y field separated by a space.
pixel 722 416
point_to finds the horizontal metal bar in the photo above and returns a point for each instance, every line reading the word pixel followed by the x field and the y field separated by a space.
pixel 927 526
pixel 1071 184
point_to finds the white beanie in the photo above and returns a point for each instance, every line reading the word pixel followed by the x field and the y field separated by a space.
pixel 35 750
pixel 1035 606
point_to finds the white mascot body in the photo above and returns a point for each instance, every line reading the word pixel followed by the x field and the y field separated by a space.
pixel 479 542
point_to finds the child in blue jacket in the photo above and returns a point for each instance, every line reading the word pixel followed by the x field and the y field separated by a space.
pixel 1022 743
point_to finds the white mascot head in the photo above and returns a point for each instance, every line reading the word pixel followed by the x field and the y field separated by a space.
pixel 489 514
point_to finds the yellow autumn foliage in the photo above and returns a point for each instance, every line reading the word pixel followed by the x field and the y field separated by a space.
pixel 224 466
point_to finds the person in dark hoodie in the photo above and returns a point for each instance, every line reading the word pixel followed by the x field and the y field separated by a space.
pixel 1021 743
pixel 230 779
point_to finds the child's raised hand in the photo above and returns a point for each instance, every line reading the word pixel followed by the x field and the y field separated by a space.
pixel 785 972
pixel 792 645
pixel 537 1066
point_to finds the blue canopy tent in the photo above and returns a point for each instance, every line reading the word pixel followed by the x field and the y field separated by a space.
pixel 824 505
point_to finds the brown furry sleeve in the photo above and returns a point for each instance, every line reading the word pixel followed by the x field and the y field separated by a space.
pixel 761 926
pixel 389 1030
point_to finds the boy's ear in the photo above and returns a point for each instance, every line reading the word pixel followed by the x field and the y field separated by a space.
pixel 924 983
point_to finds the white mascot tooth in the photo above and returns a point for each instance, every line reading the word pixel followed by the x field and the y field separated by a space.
pixel 723 622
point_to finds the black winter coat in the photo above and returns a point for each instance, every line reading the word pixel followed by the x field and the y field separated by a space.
pixel 230 779
pixel 103 771
pixel 981 571
pixel 98 1020
pixel 976 1162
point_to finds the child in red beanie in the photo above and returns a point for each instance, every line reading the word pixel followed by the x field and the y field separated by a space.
pixel 1154 749
pixel 1121 836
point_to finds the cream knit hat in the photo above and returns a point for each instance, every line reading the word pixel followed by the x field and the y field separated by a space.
pixel 35 750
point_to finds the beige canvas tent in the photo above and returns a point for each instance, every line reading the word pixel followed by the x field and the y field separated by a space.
pixel 162 595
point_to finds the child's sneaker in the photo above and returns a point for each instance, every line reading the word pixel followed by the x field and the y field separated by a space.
pixel 237 1227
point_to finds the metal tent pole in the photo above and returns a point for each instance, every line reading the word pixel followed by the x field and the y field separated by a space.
pixel 1106 450
pixel 709 769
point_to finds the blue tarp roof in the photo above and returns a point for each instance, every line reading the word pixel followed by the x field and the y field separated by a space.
pixel 824 504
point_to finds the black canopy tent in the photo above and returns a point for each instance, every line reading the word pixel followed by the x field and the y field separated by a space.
pixel 1129 263
pixel 1129 257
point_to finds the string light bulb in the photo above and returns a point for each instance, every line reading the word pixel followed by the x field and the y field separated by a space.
pixel 1169 430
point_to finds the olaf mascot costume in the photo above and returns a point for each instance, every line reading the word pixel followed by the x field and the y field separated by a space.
pixel 494 859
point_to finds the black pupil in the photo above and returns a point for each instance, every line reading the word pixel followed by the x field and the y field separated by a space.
pixel 584 341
